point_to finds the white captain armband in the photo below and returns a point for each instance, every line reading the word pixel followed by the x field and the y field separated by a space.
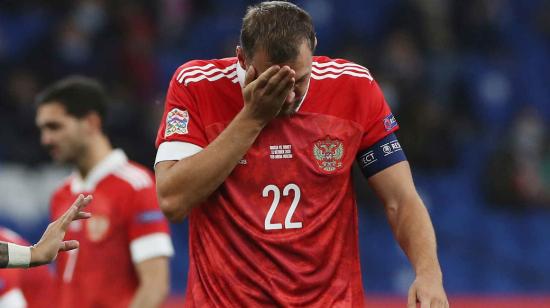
pixel 18 256
pixel 381 155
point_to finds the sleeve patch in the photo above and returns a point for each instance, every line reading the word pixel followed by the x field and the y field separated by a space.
pixel 389 122
pixel 149 217
pixel 176 122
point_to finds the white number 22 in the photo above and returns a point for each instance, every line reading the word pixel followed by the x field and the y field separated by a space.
pixel 276 198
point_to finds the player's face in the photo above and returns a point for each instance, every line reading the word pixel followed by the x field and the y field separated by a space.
pixel 60 133
pixel 301 65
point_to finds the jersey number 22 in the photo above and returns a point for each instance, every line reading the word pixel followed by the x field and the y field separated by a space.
pixel 276 198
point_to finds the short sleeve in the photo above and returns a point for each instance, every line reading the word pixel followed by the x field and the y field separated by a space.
pixel 181 120
pixel 377 119
pixel 148 229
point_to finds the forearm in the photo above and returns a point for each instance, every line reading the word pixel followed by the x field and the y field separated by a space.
pixel 148 297
pixel 412 227
pixel 4 255
pixel 14 256
pixel 191 180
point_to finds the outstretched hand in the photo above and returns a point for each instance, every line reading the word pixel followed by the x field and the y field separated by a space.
pixel 47 248
pixel 264 95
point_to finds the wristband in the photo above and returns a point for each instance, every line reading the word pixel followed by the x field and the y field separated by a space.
pixel 18 256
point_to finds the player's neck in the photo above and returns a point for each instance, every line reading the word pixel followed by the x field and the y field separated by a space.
pixel 100 148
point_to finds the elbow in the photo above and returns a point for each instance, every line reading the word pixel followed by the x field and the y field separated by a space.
pixel 173 209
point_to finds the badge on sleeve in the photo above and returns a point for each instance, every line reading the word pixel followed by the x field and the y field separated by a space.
pixel 176 122
pixel 389 122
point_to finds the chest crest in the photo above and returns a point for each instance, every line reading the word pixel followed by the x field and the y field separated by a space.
pixel 328 154
pixel 97 227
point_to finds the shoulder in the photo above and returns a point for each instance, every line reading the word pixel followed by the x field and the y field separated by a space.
pixel 325 68
pixel 206 71
pixel 134 176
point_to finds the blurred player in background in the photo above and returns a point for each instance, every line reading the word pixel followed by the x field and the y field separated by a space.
pixel 34 287
pixel 257 150
pixel 125 246
pixel 24 287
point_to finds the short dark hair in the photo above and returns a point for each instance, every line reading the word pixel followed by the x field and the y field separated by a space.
pixel 279 28
pixel 79 95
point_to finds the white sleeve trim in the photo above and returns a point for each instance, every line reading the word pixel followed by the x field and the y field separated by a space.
pixel 176 150
pixel 151 246
pixel 13 299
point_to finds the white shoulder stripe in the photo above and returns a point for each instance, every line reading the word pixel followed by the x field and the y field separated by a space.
pixel 138 175
pixel 336 64
pixel 213 78
pixel 334 76
pixel 137 178
pixel 202 67
pixel 338 70
pixel 206 73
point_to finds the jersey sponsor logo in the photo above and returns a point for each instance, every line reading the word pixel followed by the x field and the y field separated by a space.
pixel 282 151
pixel 97 227
pixel 328 154
pixel 389 122
pixel 176 122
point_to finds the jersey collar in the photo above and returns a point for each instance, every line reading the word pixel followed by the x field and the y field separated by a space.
pixel 241 74
pixel 109 164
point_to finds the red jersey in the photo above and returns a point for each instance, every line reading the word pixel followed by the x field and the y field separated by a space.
pixel 35 284
pixel 282 229
pixel 126 228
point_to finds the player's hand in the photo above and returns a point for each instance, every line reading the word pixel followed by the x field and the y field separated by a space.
pixel 429 292
pixel 265 95
pixel 45 251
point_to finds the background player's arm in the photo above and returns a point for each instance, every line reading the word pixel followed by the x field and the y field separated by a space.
pixel 412 227
pixel 45 251
pixel 186 183
pixel 154 283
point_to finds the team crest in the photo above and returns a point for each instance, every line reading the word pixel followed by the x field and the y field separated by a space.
pixel 97 227
pixel 176 122
pixel 328 154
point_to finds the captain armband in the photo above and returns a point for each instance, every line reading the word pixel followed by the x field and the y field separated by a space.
pixel 381 155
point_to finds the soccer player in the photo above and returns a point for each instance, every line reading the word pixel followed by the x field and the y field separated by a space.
pixel 17 255
pixel 257 151
pixel 125 246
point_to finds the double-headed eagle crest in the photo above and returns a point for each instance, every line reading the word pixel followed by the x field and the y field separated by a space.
pixel 328 154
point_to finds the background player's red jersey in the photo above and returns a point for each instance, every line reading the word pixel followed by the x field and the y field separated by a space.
pixel 282 229
pixel 36 283
pixel 126 228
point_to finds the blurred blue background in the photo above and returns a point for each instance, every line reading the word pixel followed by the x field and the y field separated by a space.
pixel 468 81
